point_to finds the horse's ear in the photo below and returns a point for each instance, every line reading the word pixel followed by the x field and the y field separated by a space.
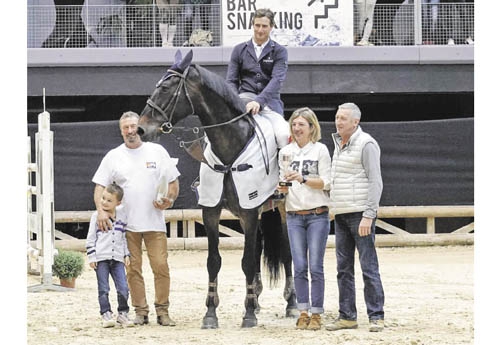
pixel 186 62
pixel 178 57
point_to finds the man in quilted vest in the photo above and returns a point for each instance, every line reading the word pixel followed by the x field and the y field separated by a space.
pixel 356 187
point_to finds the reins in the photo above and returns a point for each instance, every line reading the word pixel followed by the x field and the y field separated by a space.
pixel 195 149
pixel 167 127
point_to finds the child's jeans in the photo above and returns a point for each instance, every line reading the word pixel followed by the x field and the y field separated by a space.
pixel 116 269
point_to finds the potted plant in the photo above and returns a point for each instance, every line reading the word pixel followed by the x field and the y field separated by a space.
pixel 67 266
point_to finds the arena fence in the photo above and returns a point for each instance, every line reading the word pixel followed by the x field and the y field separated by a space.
pixel 158 25
pixel 396 236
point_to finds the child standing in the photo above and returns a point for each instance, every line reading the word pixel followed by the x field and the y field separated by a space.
pixel 108 254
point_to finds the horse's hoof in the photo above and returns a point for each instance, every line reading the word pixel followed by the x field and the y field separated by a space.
pixel 249 323
pixel 292 312
pixel 210 322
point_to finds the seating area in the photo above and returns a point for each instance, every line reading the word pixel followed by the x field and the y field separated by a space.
pixel 119 24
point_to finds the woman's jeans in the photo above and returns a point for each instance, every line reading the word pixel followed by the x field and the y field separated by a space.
pixel 116 269
pixel 308 235
pixel 347 239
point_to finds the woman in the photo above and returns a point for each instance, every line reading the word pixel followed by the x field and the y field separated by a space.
pixel 307 212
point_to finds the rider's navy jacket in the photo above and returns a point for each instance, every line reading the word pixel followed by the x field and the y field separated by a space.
pixel 263 77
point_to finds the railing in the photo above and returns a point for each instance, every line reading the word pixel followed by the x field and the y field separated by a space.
pixel 172 25
pixel 396 236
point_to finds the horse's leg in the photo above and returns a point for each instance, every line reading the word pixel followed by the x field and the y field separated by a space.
pixel 211 218
pixel 248 221
pixel 289 291
pixel 257 281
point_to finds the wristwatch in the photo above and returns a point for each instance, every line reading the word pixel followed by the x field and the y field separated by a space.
pixel 304 180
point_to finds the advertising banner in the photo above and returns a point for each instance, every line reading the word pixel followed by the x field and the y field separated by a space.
pixel 298 22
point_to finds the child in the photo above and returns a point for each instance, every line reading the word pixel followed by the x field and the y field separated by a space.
pixel 108 254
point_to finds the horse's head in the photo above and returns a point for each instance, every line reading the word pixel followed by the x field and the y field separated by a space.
pixel 169 102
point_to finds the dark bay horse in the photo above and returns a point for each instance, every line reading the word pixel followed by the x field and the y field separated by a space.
pixel 193 90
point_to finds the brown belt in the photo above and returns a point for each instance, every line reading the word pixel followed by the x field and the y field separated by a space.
pixel 317 210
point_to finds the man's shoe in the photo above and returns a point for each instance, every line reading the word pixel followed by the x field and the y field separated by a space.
pixel 314 323
pixel 469 40
pixel 107 320
pixel 451 41
pixel 123 320
pixel 165 320
pixel 302 321
pixel 376 325
pixel 141 320
pixel 342 324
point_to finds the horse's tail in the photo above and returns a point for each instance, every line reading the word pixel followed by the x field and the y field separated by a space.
pixel 271 228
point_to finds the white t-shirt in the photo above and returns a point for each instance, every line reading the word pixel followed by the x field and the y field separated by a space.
pixel 138 172
pixel 312 160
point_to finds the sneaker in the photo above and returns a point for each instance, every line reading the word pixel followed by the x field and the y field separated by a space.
pixel 314 323
pixel 302 321
pixel 107 320
pixel 364 43
pixel 141 320
pixel 342 324
pixel 165 320
pixel 123 320
pixel 376 325
pixel 469 40
pixel 451 41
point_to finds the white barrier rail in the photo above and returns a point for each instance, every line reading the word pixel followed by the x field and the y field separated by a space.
pixel 397 236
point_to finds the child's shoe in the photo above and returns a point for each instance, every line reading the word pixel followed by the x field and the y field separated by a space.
pixel 107 320
pixel 123 320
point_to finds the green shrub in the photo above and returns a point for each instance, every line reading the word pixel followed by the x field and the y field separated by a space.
pixel 68 264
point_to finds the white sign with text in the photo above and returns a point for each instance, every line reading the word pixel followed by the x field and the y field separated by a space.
pixel 298 22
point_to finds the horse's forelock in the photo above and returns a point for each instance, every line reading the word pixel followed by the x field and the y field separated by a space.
pixel 219 86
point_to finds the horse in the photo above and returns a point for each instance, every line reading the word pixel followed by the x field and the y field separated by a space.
pixel 187 90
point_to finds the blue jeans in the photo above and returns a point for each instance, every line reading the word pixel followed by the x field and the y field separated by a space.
pixel 308 235
pixel 116 269
pixel 347 239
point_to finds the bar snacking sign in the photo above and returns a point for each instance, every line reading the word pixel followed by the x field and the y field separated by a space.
pixel 298 22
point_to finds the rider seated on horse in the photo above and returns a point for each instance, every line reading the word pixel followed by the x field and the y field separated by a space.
pixel 257 70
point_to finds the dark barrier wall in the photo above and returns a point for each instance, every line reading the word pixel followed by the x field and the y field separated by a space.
pixel 423 163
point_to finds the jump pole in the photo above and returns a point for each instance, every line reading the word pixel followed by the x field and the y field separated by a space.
pixel 44 143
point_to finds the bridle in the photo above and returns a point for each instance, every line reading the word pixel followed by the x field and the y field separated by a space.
pixel 167 126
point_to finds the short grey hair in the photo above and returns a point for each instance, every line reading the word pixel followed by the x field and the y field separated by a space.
pixel 129 114
pixel 355 111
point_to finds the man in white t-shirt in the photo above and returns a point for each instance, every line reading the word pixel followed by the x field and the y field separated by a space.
pixel 139 168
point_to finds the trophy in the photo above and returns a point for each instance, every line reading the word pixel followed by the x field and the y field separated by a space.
pixel 286 159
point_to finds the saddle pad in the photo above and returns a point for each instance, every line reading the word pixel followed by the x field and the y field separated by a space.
pixel 253 186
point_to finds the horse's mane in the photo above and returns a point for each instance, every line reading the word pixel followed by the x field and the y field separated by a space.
pixel 219 86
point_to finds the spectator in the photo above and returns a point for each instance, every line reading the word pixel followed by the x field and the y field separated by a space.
pixel 365 12
pixel 355 190
pixel 457 22
pixel 430 10
pixel 168 21
pixel 139 168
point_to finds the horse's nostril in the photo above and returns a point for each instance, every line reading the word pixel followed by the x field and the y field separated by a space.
pixel 140 131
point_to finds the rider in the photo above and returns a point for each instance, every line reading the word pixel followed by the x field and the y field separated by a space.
pixel 257 70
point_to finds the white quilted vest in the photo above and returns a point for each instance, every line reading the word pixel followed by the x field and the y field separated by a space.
pixel 349 183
